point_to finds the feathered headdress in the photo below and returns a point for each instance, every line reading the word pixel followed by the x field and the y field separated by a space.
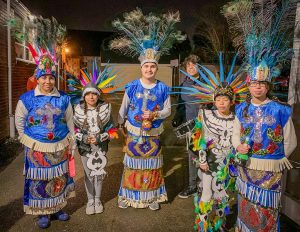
pixel 146 36
pixel 213 85
pixel 96 81
pixel 261 32
pixel 44 38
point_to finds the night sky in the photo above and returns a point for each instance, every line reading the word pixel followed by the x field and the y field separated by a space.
pixel 95 17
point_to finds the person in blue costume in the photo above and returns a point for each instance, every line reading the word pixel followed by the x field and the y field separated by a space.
pixel 146 104
pixel 44 122
pixel 263 134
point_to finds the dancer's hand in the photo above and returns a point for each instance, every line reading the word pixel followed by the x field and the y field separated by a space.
pixel 243 148
pixel 204 167
pixel 92 140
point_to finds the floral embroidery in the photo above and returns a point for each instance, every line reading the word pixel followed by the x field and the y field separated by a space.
pixel 275 137
pixel 33 122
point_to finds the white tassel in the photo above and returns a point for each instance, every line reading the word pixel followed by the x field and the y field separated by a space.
pixel 142 164
pixel 269 165
pixel 47 173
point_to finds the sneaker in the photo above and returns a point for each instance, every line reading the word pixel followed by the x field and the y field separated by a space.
pixel 186 193
pixel 43 221
pixel 61 216
pixel 154 205
pixel 98 207
pixel 90 208
pixel 122 204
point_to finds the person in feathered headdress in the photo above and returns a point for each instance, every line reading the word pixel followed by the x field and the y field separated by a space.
pixel 44 122
pixel 93 128
pixel 263 133
pixel 211 141
pixel 146 104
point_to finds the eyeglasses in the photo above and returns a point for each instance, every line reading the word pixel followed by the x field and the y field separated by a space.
pixel 258 83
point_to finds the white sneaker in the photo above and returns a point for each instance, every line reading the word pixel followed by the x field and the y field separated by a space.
pixel 90 207
pixel 98 206
pixel 154 205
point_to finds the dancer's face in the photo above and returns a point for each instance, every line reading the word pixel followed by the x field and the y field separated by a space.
pixel 91 99
pixel 46 83
pixel 191 69
pixel 258 89
pixel 149 71
pixel 223 104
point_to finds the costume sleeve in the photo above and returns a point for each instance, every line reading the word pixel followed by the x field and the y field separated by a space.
pixel 289 137
pixel 166 111
pixel 20 117
pixel 236 135
pixel 69 119
pixel 123 109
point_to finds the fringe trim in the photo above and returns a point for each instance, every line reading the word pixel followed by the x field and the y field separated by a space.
pixel 139 132
pixel 46 173
pixel 242 226
pixel 142 164
pixel 33 211
pixel 269 165
pixel 266 198
pixel 45 147
pixel 28 209
pixel 142 199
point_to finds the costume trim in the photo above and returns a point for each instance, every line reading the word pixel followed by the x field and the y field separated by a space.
pixel 241 226
pixel 45 147
pixel 269 165
pixel 51 205
pixel 142 199
pixel 264 197
pixel 138 131
pixel 139 163
pixel 47 173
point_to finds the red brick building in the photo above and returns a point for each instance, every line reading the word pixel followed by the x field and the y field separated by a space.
pixel 21 67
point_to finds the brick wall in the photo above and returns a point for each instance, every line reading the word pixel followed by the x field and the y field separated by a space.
pixel 4 124
pixel 20 73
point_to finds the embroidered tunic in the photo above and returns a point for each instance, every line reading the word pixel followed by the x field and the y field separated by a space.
pixel 259 181
pixel 44 123
pixel 212 204
pixel 142 180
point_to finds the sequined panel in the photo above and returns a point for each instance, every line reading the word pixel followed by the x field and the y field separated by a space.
pixel 257 218
pixel 46 159
pixel 258 119
pixel 262 179
pixel 150 147
pixel 142 180
pixel 47 189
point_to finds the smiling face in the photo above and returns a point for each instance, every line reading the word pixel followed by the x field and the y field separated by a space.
pixel 258 89
pixel 149 71
pixel 46 83
pixel 223 104
pixel 191 69
pixel 91 99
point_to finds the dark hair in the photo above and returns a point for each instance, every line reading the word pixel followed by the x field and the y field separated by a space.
pixel 191 58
